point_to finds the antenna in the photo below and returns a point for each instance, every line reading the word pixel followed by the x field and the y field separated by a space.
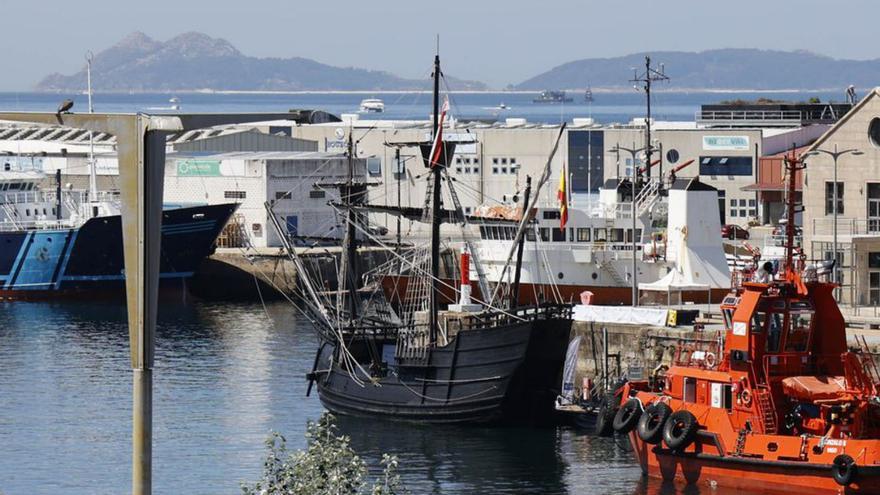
pixel 93 174
pixel 437 52
pixel 647 78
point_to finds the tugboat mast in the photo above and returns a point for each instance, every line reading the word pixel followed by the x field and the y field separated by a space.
pixel 351 272
pixel 435 211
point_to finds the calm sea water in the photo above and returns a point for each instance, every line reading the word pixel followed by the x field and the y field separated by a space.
pixel 606 108
pixel 225 375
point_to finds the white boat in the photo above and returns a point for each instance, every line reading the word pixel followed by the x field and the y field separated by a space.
pixel 595 250
pixel 372 105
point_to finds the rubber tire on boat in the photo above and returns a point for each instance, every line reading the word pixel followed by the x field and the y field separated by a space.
pixel 844 470
pixel 650 428
pixel 627 416
pixel 680 430
pixel 605 420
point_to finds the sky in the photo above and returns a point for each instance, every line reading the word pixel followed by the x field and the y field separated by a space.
pixel 495 41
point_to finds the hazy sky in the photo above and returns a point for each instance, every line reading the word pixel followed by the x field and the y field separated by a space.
pixel 495 41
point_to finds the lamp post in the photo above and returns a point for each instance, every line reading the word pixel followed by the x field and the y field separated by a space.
pixel 834 156
pixel 633 152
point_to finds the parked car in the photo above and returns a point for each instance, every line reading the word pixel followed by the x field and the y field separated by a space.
pixel 732 232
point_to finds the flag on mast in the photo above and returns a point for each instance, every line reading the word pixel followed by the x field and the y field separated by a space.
pixel 562 196
pixel 438 138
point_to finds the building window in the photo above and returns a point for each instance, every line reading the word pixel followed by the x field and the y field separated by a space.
pixel 494 161
pixel 494 170
pixel 733 212
pixel 458 160
pixel 317 194
pixel 476 169
pixel 503 170
pixel 476 160
pixel 732 202
pixel 753 213
pixel 752 203
pixel 504 161
pixel 374 166
pixel 874 131
pixel 467 170
pixel 234 194
pixel 829 198
pixel 742 202
pixel 282 195
pixel 583 235
pixel 458 170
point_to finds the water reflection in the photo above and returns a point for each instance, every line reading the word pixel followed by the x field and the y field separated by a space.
pixel 226 374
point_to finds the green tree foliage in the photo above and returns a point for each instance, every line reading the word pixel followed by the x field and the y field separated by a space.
pixel 327 466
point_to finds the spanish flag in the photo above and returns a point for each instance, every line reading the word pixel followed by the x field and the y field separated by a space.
pixel 562 196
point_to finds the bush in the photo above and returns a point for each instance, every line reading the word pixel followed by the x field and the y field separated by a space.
pixel 327 466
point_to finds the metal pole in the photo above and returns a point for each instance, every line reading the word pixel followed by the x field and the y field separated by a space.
pixel 834 227
pixel 635 276
pixel 93 174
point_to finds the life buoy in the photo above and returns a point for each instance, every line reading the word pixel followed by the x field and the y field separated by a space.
pixel 746 397
pixel 710 360
pixel 844 470
pixel 650 428
pixel 680 430
pixel 627 416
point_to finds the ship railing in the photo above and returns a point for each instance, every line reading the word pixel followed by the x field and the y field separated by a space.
pixel 698 353
pixel 793 116
pixel 19 226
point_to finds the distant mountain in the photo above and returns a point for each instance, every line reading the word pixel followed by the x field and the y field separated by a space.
pixel 194 61
pixel 716 69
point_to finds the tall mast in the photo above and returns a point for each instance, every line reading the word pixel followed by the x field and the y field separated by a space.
pixel 647 79
pixel 435 211
pixel 351 271
pixel 514 300
pixel 93 175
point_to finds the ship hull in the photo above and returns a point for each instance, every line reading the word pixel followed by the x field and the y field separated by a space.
pixel 482 375
pixel 743 473
pixel 88 260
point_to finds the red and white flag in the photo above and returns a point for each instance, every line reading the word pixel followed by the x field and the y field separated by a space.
pixel 437 147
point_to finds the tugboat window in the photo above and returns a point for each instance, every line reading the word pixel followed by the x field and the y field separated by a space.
pixel 774 334
pixel 672 155
pixel 799 334
pixel 558 235
pixel 545 234
pixel 583 235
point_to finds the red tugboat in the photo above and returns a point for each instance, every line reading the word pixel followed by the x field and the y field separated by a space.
pixel 778 404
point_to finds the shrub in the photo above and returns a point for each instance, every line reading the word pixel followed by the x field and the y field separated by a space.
pixel 327 466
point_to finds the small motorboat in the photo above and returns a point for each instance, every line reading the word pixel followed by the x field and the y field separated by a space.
pixel 372 105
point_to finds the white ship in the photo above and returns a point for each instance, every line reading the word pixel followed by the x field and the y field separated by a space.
pixel 372 105
pixel 595 250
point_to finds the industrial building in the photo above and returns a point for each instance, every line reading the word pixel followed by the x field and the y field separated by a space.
pixel 295 181
pixel 493 159
pixel 857 209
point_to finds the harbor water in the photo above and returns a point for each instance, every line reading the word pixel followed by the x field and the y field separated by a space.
pixel 225 376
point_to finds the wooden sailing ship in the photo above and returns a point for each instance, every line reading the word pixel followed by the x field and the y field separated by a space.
pixel 476 361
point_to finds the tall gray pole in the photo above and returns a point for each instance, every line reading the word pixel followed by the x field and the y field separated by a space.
pixel 833 221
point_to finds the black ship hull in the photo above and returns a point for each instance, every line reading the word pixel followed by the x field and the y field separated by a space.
pixel 501 373
pixel 88 260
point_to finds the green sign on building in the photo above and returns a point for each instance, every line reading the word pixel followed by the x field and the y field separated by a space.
pixel 201 168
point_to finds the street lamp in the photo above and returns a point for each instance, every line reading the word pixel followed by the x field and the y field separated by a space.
pixel 834 156
pixel 633 152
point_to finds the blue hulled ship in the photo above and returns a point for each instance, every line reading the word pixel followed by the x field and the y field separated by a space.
pixel 56 243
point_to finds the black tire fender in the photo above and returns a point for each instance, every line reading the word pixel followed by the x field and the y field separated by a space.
pixel 605 419
pixel 844 470
pixel 650 427
pixel 627 416
pixel 680 430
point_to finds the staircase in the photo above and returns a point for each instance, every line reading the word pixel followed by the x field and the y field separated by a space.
pixel 608 266
pixel 647 196
pixel 766 410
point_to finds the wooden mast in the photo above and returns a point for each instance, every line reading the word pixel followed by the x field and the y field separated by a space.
pixel 435 212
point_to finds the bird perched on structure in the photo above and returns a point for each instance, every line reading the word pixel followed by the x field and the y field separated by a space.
pixel 65 107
